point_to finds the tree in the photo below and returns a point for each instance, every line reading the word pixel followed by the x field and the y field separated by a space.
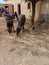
pixel 33 9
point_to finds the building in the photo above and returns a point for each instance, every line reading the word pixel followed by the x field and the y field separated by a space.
pixel 25 8
pixel 21 7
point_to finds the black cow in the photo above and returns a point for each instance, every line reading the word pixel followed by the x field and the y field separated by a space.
pixel 9 20
pixel 9 24
pixel 21 23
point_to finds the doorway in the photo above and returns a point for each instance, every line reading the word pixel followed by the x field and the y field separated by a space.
pixel 19 9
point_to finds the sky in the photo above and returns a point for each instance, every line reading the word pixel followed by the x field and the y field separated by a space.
pixel 2 1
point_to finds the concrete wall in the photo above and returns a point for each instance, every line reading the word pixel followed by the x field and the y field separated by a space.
pixel 45 11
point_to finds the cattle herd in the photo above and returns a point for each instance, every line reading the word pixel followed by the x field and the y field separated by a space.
pixel 21 22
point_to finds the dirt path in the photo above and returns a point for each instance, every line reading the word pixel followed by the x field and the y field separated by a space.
pixel 27 49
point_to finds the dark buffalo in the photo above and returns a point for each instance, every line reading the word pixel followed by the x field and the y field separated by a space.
pixel 21 23
pixel 9 20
